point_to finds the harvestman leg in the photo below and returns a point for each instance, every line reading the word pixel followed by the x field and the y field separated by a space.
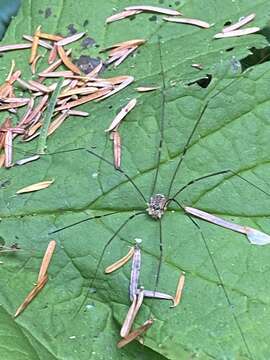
pixel 104 250
pixel 219 279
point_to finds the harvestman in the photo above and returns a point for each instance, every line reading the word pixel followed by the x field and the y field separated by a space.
pixel 158 203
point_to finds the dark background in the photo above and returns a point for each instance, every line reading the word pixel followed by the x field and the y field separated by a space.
pixel 8 8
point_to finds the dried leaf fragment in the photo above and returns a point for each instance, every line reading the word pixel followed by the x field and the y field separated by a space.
pixel 70 39
pixel 14 47
pixel 116 149
pixel 147 88
pixel 69 64
pixel 235 33
pixel 35 187
pixel 33 293
pixel 155 9
pixel 46 260
pixel 255 237
pixel 182 20
pixel 122 15
pixel 34 45
pixel 245 20
pixel 121 262
pixel 179 290
pixel 121 115
pixel 134 334
pixel 132 313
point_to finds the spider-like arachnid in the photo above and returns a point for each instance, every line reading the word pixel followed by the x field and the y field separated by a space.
pixel 176 246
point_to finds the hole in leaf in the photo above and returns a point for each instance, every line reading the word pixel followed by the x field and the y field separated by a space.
pixel 229 49
pixel 227 23
pixel 203 82
pixel 257 56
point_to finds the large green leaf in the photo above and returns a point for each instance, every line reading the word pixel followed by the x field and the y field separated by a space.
pixel 233 134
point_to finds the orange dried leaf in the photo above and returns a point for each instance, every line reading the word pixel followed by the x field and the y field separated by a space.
pixel 179 290
pixel 35 187
pixel 34 45
pixel 116 149
pixel 119 263
pixel 134 334
pixel 51 37
pixel 54 125
pixel 33 293
pixel 69 64
pixel 84 99
pixel 46 260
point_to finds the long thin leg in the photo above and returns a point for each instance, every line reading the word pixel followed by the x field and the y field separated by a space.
pixel 105 160
pixel 186 147
pixel 216 174
pixel 219 280
pixel 104 250
pixel 82 221
pixel 193 131
pixel 160 255
pixel 161 119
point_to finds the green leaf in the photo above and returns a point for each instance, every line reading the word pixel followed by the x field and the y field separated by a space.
pixel 232 134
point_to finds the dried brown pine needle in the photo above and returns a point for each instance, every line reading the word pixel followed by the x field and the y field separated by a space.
pixel 245 20
pixel 116 149
pixel 132 313
pixel 125 44
pixel 197 66
pixel 2 160
pixel 69 64
pixel 33 293
pixel 34 64
pixel 121 115
pixel 27 160
pixel 124 56
pixel 54 65
pixel 46 260
pixel 179 290
pixel 121 262
pixel 14 47
pixel 95 71
pixel 34 45
pixel 147 88
pixel 4 126
pixel 125 83
pixel 55 124
pixel 57 74
pixel 35 187
pixel 134 334
pixel 122 15
pixel 182 20
pixel 70 39
pixel 39 86
pixel 84 99
pixel 78 91
pixel 42 43
pixel 8 149
pixel 155 9
pixel 235 33
pixel 51 37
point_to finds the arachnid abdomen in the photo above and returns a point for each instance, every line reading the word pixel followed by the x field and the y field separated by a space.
pixel 157 206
